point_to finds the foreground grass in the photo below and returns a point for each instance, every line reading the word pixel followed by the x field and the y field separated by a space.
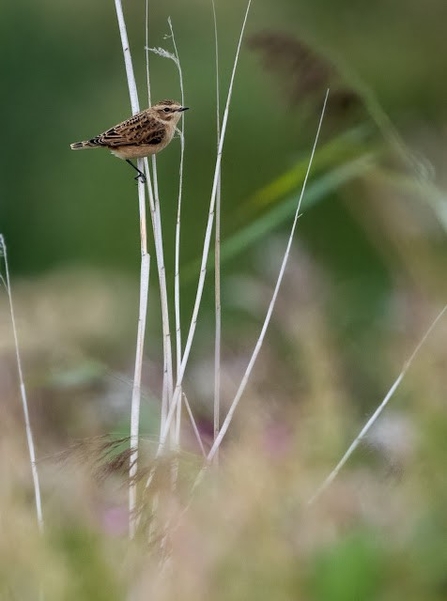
pixel 247 532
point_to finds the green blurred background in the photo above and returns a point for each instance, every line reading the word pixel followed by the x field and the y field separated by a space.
pixel 371 244
pixel 376 240
pixel 63 79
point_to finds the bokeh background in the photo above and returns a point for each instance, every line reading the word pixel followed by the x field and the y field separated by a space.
pixel 365 279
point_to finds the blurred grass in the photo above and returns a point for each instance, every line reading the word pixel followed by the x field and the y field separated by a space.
pixel 373 535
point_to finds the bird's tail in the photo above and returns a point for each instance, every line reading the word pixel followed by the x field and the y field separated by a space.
pixel 83 145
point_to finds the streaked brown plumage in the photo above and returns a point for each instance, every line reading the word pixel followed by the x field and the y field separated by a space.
pixel 142 135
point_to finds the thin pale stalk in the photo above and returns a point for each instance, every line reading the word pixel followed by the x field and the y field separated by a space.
pixel 146 50
pixel 168 378
pixel 194 425
pixel 127 58
pixel 243 384
pixel 167 395
pixel 139 354
pixel 28 429
pixel 154 204
pixel 328 481
pixel 217 272
pixel 178 329
pixel 178 389
pixel 154 207
pixel 206 245
pixel 218 324
pixel 144 287
pixel 153 193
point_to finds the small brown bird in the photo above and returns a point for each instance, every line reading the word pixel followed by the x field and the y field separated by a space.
pixel 141 135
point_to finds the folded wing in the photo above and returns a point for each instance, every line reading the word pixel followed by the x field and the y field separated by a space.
pixel 141 129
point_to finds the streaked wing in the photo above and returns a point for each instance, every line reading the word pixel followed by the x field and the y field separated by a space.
pixel 141 129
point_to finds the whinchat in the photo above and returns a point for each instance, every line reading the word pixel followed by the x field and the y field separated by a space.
pixel 142 135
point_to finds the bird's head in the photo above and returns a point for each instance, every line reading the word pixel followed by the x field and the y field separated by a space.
pixel 169 111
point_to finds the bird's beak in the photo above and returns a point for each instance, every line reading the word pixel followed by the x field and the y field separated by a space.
pixel 183 108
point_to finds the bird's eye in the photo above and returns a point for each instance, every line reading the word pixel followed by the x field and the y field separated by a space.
pixel 167 110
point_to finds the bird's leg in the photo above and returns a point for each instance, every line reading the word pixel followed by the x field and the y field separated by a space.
pixel 140 175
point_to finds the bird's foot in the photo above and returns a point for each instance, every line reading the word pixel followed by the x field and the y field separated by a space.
pixel 140 177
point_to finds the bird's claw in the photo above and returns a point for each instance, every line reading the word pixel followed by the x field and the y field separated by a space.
pixel 140 177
